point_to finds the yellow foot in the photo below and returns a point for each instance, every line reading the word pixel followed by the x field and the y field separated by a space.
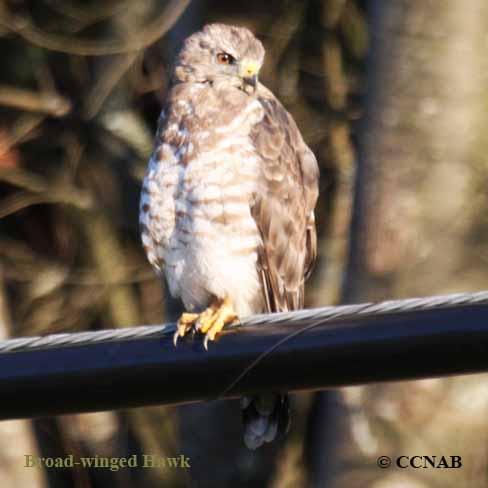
pixel 210 322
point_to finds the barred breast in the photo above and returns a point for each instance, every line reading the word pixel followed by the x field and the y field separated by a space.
pixel 195 216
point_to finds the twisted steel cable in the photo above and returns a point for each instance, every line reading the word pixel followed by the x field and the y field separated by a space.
pixel 304 350
pixel 299 318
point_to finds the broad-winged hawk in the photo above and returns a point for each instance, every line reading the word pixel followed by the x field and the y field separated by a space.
pixel 227 204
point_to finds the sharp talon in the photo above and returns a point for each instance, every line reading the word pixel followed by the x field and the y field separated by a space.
pixel 186 322
pixel 210 322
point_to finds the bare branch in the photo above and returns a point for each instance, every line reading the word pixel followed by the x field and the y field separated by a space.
pixel 49 103
pixel 55 42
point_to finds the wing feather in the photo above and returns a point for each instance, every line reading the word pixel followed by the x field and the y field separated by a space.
pixel 283 206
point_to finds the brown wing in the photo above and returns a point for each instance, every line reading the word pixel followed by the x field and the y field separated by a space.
pixel 283 207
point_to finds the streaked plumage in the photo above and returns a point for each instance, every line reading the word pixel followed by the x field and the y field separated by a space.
pixel 227 202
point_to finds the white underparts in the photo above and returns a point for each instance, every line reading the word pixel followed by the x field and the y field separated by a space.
pixel 195 214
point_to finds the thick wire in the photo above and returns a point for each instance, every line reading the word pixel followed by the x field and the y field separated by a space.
pixel 319 316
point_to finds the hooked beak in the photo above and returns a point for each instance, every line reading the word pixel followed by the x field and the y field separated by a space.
pixel 250 83
pixel 249 74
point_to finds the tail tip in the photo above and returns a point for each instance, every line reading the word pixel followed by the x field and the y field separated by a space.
pixel 264 417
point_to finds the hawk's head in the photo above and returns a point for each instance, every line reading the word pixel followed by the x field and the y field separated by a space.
pixel 223 55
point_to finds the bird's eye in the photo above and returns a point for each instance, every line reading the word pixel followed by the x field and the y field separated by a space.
pixel 225 58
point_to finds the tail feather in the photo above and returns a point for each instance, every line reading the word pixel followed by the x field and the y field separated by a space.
pixel 264 417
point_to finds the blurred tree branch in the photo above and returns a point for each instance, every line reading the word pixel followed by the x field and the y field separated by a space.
pixel 36 191
pixel 101 90
pixel 49 103
pixel 55 42
pixel 89 14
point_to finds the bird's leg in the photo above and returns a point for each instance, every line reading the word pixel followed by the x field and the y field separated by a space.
pixel 210 322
